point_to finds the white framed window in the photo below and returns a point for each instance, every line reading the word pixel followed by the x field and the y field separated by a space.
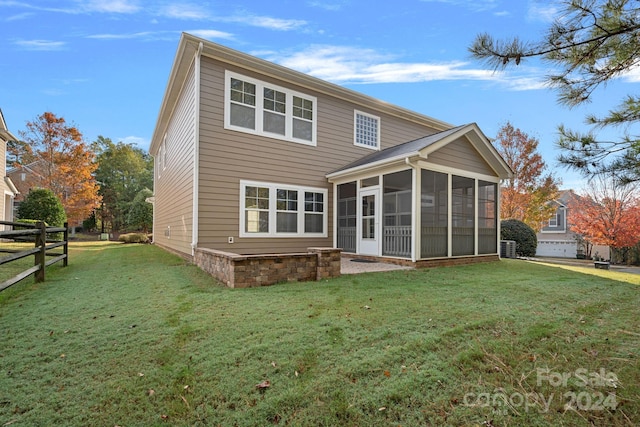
pixel 366 130
pixel 261 108
pixel 279 210
pixel 160 161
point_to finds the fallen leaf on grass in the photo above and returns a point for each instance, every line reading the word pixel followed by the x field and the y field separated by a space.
pixel 387 374
pixel 185 402
pixel 151 392
pixel 263 385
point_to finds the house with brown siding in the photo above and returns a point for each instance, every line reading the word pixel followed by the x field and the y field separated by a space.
pixel 254 158
pixel 9 191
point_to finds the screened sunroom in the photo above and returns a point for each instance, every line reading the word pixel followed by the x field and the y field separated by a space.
pixel 436 197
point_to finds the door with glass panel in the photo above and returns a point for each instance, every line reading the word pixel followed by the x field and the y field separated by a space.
pixel 368 237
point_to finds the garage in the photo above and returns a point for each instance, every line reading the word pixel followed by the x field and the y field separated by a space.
pixel 557 248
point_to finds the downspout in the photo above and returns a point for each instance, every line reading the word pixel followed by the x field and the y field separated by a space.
pixel 414 205
pixel 196 152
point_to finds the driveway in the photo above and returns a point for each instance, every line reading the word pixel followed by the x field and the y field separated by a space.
pixel 588 264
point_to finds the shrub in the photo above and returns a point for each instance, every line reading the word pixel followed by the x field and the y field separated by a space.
pixel 134 238
pixel 141 213
pixel 42 205
pixel 524 236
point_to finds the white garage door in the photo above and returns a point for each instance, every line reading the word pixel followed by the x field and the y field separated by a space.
pixel 562 249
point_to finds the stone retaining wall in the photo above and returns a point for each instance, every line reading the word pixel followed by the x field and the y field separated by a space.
pixel 244 271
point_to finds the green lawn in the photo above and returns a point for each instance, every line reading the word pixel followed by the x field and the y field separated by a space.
pixel 130 335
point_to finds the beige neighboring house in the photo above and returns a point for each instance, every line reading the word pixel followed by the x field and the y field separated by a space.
pixel 556 238
pixel 9 191
pixel 253 158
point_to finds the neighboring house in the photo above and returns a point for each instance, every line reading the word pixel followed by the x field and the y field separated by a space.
pixel 556 238
pixel 25 178
pixel 9 191
pixel 255 158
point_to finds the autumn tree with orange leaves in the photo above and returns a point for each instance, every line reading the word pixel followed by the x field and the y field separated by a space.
pixel 527 194
pixel 65 164
pixel 608 213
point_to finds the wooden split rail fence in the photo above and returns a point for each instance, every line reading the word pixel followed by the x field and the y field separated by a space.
pixel 38 233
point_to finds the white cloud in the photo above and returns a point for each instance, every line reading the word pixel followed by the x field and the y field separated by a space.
pixel 350 65
pixel 110 6
pixel 475 5
pixel 82 6
pixel 40 44
pixel 632 75
pixel 143 34
pixel 184 11
pixel 138 141
pixel 162 35
pixel 544 12
pixel 327 5
pixel 211 34
pixel 19 16
pixel 264 22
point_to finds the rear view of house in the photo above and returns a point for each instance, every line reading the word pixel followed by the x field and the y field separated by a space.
pixel 254 158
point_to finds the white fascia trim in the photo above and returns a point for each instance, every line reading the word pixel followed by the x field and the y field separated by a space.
pixel 458 172
pixel 196 153
pixel 370 166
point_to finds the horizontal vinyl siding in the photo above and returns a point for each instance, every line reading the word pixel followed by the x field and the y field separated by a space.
pixel 174 189
pixel 460 154
pixel 228 156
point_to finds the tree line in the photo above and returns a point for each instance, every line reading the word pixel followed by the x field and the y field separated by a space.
pixel 102 185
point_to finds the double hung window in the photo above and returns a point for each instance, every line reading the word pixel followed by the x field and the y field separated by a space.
pixel 265 109
pixel 274 210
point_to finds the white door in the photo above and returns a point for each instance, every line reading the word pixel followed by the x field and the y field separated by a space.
pixel 368 224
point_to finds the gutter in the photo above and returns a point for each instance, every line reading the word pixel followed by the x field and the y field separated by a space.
pixel 196 154
pixel 11 186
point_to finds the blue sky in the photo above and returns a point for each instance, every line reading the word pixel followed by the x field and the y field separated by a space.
pixel 104 64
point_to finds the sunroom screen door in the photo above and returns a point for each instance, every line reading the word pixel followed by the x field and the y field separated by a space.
pixel 368 231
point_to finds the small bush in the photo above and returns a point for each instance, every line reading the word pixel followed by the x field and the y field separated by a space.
pixel 134 238
pixel 524 236
pixel 43 205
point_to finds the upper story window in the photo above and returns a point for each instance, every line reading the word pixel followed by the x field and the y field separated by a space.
pixel 264 109
pixel 161 160
pixel 366 130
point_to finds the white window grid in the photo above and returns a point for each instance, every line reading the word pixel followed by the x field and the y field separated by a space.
pixel 367 130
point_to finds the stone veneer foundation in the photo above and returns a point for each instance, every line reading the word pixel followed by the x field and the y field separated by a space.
pixel 244 271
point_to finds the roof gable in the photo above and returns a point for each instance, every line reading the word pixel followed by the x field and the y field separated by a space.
pixel 191 46
pixel 427 145
pixel 4 131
